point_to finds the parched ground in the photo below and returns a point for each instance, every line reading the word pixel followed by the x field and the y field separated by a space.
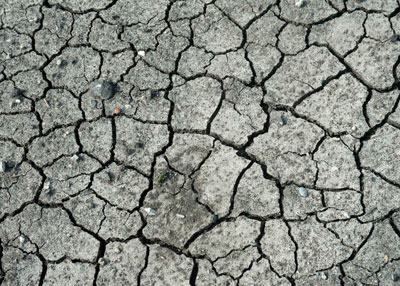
pixel 199 142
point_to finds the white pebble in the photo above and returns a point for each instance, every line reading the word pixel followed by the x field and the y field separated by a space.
pixel 2 166
pixel 141 53
pixel 300 3
pixel 21 239
pixel 118 249
pixel 18 100
pixel 180 216
pixel 303 192
pixel 58 62
pixel 150 211
pixel 46 186
pixel 75 158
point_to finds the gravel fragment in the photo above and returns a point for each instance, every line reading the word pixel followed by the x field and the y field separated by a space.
pixel 21 239
pixel 46 186
pixel 102 88
pixel 150 211
pixel 2 166
pixel 75 158
pixel 395 277
pixel 300 3
pixel 395 38
pixel 303 192
pixel 94 103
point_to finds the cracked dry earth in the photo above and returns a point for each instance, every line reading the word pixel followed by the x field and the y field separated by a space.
pixel 245 143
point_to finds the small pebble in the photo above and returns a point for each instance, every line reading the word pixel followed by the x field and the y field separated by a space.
pixel 395 277
pixel 75 158
pixel 102 261
pixel 58 26
pixel 118 249
pixel 46 186
pixel 283 120
pixel 93 103
pixel 18 100
pixel 63 64
pixel 254 243
pixel 58 62
pixel 386 257
pixel 102 88
pixel 395 38
pixel 303 192
pixel 324 276
pixel 2 166
pixel 150 211
pixel 21 239
pixel 117 111
pixel 300 3
pixel 180 216
pixel 154 94
pixel 17 92
pixel 347 215
pixel 141 53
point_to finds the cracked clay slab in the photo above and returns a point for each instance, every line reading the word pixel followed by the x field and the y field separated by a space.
pixel 199 142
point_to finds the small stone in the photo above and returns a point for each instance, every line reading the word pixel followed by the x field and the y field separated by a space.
pixel 150 211
pixel 63 64
pixel 154 94
pixel 254 243
pixel 18 100
pixel 118 249
pixel 59 26
pixel 386 257
pixel 102 261
pixel 2 166
pixel 75 158
pixel 180 216
pixel 94 103
pixel 102 88
pixel 324 276
pixel 17 92
pixel 395 277
pixel 141 53
pixel 395 38
pixel 58 62
pixel 300 3
pixel 21 239
pixel 283 120
pixel 46 186
pixel 117 111
pixel 303 192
